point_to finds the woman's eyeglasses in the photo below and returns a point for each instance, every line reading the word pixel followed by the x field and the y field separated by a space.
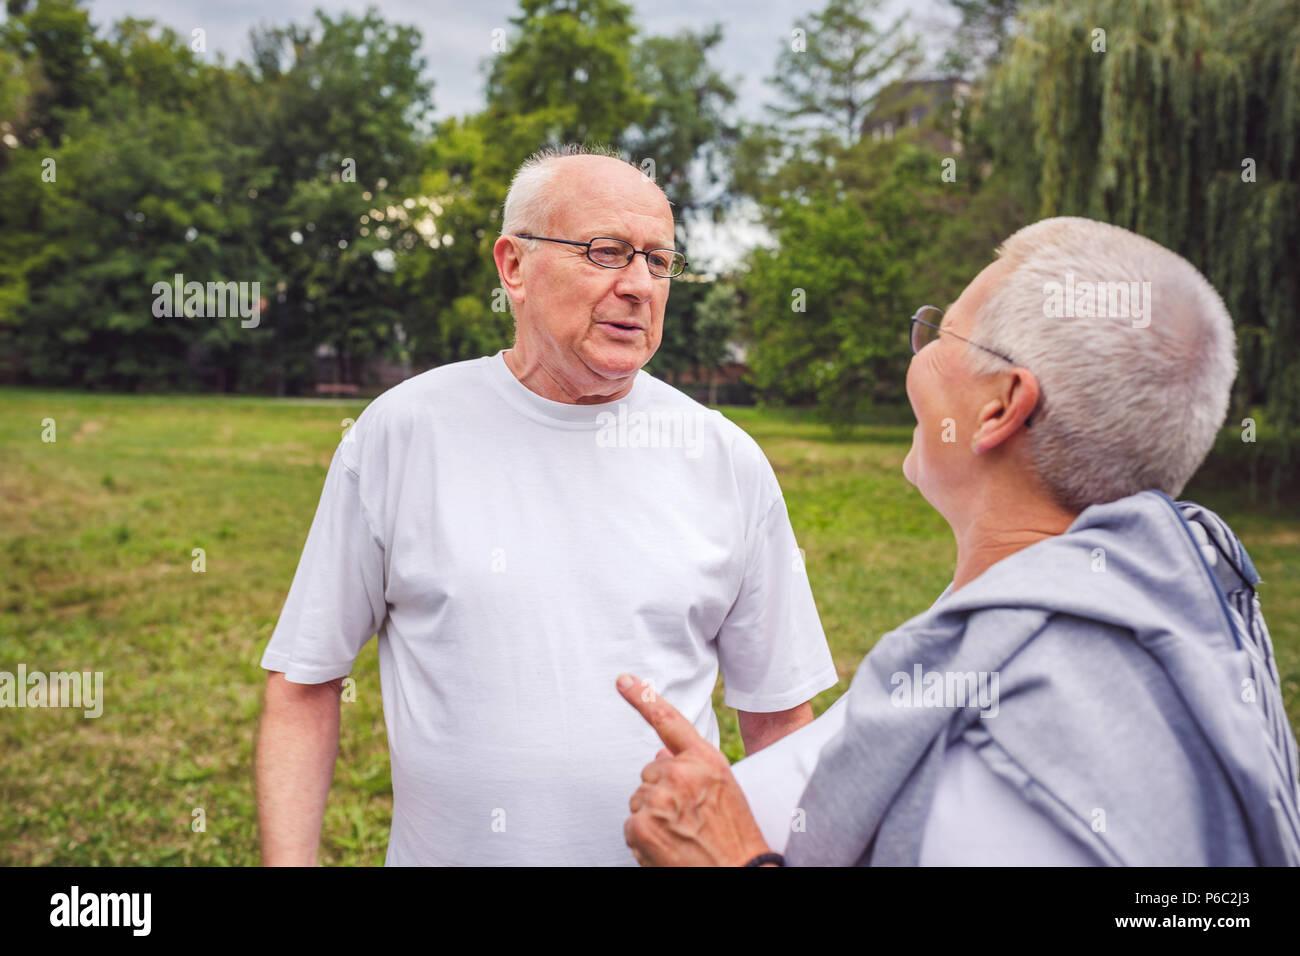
pixel 925 329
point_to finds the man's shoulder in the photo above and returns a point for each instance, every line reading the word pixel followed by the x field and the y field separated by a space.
pixel 435 392
pixel 394 414
pixel 662 397
pixel 714 437
pixel 444 380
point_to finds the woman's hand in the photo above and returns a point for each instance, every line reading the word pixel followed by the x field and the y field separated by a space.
pixel 689 809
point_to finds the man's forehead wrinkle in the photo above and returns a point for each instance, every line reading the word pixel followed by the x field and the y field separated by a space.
pixel 612 214
pixel 590 228
pixel 598 192
pixel 608 183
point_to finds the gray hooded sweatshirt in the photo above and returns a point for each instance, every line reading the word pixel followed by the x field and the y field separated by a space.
pixel 1138 703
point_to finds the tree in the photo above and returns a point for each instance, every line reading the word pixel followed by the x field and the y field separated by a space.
pixel 338 108
pixel 55 36
pixel 862 232
pixel 133 204
pixel 310 170
pixel 179 166
pixel 569 60
pixel 686 130
pixel 833 70
pixel 826 308
pixel 717 319
pixel 19 168
pixel 981 37
pixel 117 184
pixel 836 64
pixel 1180 120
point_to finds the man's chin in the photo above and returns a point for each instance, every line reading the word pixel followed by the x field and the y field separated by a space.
pixel 614 360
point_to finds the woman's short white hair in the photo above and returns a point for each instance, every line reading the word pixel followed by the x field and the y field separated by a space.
pixel 1131 398
pixel 530 204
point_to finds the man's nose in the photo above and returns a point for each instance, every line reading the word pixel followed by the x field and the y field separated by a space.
pixel 635 280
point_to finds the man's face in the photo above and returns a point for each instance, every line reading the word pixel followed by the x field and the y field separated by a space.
pixel 588 324
pixel 946 397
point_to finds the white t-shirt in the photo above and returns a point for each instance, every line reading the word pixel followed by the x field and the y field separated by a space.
pixel 976 817
pixel 515 556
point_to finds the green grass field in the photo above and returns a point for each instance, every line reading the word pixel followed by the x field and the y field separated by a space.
pixel 97 531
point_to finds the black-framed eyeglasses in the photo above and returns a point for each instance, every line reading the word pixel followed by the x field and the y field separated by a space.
pixel 923 332
pixel 611 253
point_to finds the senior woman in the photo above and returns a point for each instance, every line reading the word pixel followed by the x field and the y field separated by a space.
pixel 1096 686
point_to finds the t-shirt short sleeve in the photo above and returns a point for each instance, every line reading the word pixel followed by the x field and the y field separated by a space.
pixel 336 602
pixel 771 647
pixel 775 778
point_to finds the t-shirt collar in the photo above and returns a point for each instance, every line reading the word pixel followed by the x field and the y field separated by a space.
pixel 523 398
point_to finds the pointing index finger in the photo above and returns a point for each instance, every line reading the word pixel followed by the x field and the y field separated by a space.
pixel 677 733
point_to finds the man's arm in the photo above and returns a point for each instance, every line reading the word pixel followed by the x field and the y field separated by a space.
pixel 759 730
pixel 296 748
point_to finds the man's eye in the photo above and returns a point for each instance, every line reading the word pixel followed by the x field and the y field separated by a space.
pixel 607 253
pixel 659 261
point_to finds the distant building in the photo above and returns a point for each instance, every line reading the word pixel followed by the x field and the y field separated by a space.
pixel 909 104
pixel 724 384
pixel 344 375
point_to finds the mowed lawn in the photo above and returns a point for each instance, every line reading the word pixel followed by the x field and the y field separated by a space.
pixel 97 531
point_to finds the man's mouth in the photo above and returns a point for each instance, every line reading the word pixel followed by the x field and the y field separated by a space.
pixel 625 326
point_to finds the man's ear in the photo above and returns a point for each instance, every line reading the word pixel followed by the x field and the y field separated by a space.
pixel 510 268
pixel 1005 415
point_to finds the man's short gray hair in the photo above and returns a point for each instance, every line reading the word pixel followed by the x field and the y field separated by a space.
pixel 1128 401
pixel 530 204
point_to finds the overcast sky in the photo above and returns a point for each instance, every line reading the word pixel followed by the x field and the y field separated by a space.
pixel 458 33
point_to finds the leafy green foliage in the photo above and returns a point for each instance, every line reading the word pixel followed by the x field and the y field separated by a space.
pixel 854 224
pixel 126 211
pixel 827 308
pixel 836 69
pixel 571 62
pixel 688 120
pixel 1184 129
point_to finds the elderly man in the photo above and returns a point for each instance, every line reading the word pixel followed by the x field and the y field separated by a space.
pixel 520 527
pixel 1097 685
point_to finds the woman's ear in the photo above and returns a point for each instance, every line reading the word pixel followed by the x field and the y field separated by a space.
pixel 1003 416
